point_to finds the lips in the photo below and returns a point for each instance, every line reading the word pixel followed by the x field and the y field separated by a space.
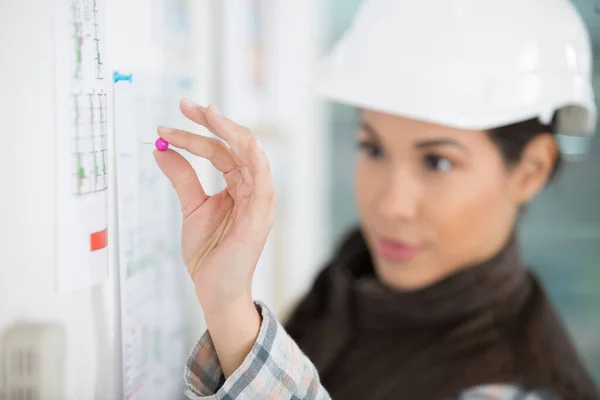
pixel 396 251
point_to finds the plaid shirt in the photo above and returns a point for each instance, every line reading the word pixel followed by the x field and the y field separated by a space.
pixel 276 368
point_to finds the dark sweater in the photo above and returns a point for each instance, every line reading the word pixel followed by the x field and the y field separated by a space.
pixel 489 323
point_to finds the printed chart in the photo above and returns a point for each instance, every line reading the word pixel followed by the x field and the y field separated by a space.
pixel 153 277
pixel 89 100
pixel 89 143
pixel 82 109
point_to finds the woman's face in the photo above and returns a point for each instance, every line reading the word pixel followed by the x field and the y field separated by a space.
pixel 433 199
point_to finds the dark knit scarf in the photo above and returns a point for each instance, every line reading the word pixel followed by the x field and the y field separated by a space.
pixel 489 323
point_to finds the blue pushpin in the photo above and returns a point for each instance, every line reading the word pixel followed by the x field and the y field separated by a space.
pixel 120 77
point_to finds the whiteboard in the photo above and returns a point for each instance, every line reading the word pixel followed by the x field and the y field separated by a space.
pixel 155 330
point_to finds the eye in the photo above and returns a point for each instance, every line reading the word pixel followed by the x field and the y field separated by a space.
pixel 371 149
pixel 438 163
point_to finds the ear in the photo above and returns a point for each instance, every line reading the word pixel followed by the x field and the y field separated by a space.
pixel 535 167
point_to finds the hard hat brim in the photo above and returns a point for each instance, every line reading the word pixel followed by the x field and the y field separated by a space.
pixel 479 103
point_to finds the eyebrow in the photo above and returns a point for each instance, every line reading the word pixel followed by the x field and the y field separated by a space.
pixel 368 129
pixel 423 144
pixel 440 142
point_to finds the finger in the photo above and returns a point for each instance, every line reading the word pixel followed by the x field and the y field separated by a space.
pixel 238 137
pixel 263 199
pixel 194 112
pixel 183 178
pixel 211 149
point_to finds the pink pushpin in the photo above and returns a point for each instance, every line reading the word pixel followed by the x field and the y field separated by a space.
pixel 161 144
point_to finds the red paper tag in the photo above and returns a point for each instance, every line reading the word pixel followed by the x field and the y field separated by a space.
pixel 99 240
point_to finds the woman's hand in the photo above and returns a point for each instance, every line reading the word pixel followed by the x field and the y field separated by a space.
pixel 223 235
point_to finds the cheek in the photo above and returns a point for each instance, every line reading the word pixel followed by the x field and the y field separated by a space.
pixel 474 210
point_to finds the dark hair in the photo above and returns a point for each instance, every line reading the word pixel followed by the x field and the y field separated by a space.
pixel 512 139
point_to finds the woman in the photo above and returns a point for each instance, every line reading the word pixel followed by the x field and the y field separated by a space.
pixel 428 298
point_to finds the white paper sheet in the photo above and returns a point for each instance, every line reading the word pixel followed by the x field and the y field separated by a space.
pixel 152 274
pixel 81 144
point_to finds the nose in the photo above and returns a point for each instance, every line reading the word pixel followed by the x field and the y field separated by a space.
pixel 400 198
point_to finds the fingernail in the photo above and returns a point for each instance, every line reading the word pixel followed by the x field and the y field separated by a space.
pixel 165 129
pixel 215 110
pixel 189 102
pixel 259 144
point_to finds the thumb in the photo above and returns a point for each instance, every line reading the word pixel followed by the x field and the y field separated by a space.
pixel 183 178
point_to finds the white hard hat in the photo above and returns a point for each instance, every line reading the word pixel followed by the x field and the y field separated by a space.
pixel 472 64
